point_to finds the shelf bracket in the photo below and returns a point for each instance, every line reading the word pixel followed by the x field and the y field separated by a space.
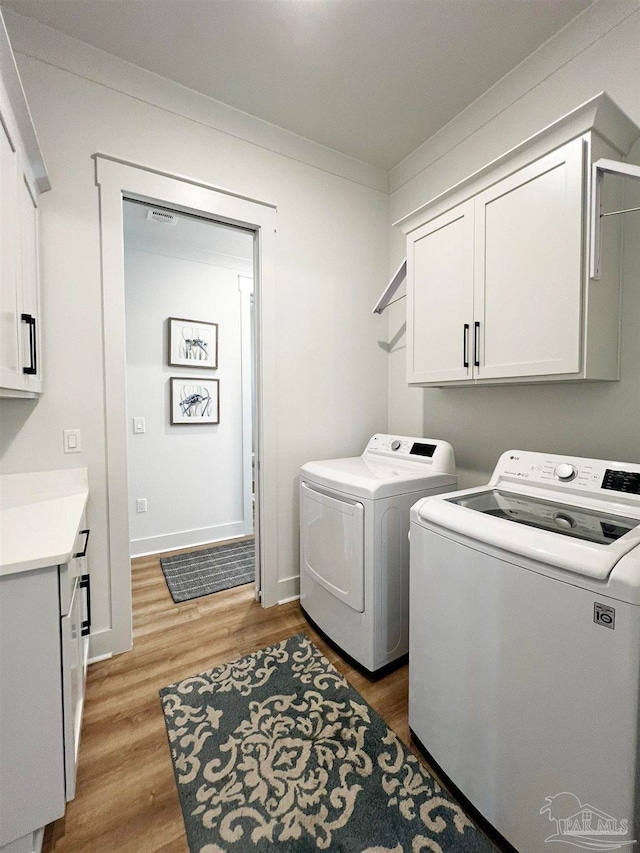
pixel 598 170
pixel 391 288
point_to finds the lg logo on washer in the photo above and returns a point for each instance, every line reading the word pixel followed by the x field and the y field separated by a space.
pixel 604 615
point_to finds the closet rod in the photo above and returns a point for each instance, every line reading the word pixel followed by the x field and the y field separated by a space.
pixel 616 212
pixel 598 171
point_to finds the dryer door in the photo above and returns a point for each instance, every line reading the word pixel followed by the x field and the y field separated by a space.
pixel 332 544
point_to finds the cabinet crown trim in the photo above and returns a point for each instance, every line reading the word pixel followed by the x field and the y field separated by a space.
pixel 21 112
pixel 599 114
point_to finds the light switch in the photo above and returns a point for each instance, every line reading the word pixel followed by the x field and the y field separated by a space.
pixel 139 425
pixel 72 440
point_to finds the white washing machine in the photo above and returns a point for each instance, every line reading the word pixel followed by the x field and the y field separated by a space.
pixel 524 659
pixel 354 550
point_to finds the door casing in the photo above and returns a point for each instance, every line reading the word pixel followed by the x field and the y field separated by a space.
pixel 116 180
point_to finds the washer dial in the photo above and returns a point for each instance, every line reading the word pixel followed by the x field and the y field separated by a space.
pixel 565 472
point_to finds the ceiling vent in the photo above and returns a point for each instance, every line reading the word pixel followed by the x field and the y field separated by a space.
pixel 162 216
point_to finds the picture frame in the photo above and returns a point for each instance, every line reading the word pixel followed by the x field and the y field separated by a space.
pixel 193 343
pixel 194 400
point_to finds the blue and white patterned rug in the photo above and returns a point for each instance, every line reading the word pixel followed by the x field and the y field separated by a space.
pixel 277 752
pixel 210 570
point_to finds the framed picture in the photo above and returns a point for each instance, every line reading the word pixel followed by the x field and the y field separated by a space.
pixel 194 401
pixel 193 343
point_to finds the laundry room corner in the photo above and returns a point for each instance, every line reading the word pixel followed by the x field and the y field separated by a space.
pixel 589 418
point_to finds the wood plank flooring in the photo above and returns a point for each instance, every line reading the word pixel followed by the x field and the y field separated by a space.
pixel 126 795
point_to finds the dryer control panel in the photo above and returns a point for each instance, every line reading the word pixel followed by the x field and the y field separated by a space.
pixel 591 476
pixel 427 451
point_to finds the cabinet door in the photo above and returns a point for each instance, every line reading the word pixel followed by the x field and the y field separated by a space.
pixel 31 723
pixel 30 287
pixel 11 375
pixel 440 297
pixel 528 269
pixel 73 687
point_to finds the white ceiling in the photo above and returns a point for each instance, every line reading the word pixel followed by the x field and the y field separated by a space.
pixel 370 78
pixel 188 237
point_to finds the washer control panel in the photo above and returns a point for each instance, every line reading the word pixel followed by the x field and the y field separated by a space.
pixel 588 475
pixel 622 481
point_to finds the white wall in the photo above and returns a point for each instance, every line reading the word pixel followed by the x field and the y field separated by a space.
pixel 600 51
pixel 332 260
pixel 333 256
pixel 191 475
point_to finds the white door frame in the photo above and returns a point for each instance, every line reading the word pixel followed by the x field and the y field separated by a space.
pixel 116 180
pixel 245 289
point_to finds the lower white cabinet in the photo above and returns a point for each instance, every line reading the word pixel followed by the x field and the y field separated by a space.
pixel 75 650
pixel 44 626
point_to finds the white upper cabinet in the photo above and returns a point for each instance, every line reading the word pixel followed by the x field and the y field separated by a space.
pixel 10 372
pixel 528 254
pixel 22 178
pixel 29 287
pixel 439 333
pixel 497 279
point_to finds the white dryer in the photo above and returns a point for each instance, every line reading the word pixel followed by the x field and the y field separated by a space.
pixel 354 550
pixel 524 660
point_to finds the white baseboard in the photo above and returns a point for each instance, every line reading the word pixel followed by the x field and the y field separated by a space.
pixel 288 589
pixel 188 538
pixel 98 658
pixel 101 645
pixel 287 600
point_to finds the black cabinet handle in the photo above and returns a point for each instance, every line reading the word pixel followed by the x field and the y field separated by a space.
pixel 83 553
pixel 33 345
pixel 476 344
pixel 465 346
pixel 85 627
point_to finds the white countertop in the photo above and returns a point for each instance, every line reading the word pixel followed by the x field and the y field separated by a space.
pixel 40 514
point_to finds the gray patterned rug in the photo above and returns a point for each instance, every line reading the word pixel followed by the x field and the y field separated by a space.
pixel 211 570
pixel 277 752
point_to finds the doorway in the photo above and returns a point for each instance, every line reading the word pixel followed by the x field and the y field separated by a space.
pixel 190 344
pixel 118 180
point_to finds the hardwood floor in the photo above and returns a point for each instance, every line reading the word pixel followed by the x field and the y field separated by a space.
pixel 126 795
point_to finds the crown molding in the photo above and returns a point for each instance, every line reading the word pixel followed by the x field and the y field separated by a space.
pixel 578 35
pixel 599 114
pixel 37 41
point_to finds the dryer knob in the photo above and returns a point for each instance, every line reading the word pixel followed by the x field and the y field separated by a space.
pixel 396 444
pixel 565 472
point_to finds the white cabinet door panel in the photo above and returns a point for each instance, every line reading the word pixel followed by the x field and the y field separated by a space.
pixel 10 369
pixel 73 687
pixel 20 164
pixel 440 297
pixel 528 269
pixel 31 724
pixel 30 288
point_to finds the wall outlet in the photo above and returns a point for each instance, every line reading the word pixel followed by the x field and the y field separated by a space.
pixel 141 505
